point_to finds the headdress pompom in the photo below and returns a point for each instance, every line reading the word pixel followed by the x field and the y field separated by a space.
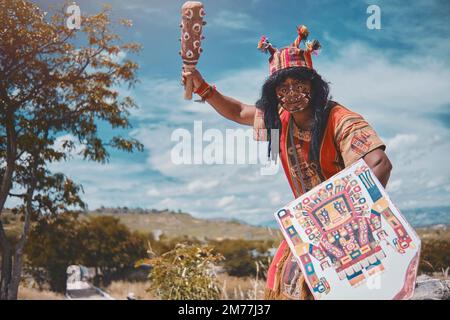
pixel 265 46
pixel 303 32
pixel 313 46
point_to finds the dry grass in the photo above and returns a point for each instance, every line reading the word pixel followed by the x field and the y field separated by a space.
pixel 35 294
pixel 442 275
pixel 232 288
pixel 120 289
pixel 241 288
pixel 434 233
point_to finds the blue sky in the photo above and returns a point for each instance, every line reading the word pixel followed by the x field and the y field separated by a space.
pixel 397 77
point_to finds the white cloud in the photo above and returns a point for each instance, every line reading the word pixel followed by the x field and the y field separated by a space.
pixel 394 185
pixel 275 198
pixel 363 78
pixel 225 201
pixel 142 8
pixel 402 141
pixel 233 20
pixel 153 192
pixel 200 184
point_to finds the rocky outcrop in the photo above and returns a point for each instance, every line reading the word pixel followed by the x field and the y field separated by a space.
pixel 428 288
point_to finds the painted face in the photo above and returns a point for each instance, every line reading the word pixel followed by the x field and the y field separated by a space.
pixel 294 95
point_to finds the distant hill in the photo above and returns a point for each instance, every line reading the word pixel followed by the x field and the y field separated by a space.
pixel 178 224
pixel 424 217
pixel 418 218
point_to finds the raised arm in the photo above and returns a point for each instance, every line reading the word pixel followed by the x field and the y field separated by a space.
pixel 378 161
pixel 226 106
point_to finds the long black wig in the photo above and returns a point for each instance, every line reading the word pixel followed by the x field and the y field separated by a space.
pixel 320 102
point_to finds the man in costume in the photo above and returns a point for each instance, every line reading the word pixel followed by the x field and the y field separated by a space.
pixel 318 137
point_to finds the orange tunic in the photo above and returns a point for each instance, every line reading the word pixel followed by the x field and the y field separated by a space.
pixel 347 138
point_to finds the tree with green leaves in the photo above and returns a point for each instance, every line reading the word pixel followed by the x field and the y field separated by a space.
pixel 109 246
pixel 99 242
pixel 53 245
pixel 54 81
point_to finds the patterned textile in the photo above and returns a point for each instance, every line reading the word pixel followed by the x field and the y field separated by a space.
pixel 355 137
pixel 347 138
pixel 292 55
pixel 289 57
pixel 309 170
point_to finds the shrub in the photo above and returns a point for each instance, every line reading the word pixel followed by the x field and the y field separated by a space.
pixel 243 256
pixel 109 247
pixel 185 272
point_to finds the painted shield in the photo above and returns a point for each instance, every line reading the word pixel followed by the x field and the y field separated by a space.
pixel 350 240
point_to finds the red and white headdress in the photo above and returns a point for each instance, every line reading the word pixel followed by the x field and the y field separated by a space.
pixel 291 56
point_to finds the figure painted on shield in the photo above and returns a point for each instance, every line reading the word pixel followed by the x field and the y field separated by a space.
pixel 342 231
pixel 317 138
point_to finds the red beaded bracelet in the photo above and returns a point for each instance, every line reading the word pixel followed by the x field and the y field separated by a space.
pixel 205 91
pixel 202 88
pixel 209 93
